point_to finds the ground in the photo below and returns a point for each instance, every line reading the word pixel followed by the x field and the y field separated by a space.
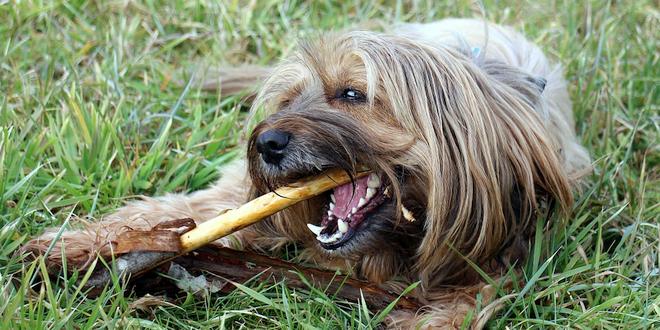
pixel 93 112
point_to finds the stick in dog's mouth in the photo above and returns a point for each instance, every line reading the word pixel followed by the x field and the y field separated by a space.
pixel 264 206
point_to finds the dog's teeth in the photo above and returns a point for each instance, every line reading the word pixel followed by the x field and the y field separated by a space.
pixel 330 239
pixel 387 191
pixel 323 239
pixel 370 193
pixel 332 206
pixel 361 202
pixel 329 214
pixel 342 226
pixel 353 210
pixel 373 181
pixel 315 229
pixel 332 197
pixel 407 214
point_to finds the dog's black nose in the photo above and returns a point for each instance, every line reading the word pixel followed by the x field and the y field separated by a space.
pixel 271 145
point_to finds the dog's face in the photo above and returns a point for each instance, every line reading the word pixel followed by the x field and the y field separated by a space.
pixel 325 119
pixel 447 173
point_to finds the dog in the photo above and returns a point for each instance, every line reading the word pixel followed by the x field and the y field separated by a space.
pixel 466 125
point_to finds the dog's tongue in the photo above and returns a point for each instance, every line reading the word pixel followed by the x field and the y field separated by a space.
pixel 346 198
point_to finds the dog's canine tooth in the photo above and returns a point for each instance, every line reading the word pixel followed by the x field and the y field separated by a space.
pixel 361 202
pixel 407 214
pixel 332 197
pixel 373 181
pixel 342 226
pixel 370 193
pixel 315 229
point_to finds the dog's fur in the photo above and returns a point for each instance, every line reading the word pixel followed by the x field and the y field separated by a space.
pixel 472 126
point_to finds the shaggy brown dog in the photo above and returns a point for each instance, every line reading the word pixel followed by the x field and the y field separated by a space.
pixel 468 130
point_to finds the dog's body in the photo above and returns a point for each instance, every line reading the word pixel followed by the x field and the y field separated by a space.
pixel 467 128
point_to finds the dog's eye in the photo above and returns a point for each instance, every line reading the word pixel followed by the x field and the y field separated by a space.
pixel 352 95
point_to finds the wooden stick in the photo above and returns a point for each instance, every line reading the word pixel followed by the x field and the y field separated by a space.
pixel 262 207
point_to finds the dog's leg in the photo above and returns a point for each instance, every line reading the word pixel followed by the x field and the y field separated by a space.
pixel 83 245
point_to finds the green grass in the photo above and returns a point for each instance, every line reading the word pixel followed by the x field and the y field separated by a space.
pixel 89 117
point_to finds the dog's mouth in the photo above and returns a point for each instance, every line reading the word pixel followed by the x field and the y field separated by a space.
pixel 349 205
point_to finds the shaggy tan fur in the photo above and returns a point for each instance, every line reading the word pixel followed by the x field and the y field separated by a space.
pixel 473 130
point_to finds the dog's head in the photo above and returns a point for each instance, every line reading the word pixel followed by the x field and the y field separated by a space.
pixel 459 153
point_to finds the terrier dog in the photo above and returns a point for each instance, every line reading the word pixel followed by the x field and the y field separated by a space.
pixel 466 126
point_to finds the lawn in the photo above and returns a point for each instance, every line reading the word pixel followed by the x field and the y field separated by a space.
pixel 94 112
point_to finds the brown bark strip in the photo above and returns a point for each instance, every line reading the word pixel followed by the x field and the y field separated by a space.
pixel 152 240
pixel 164 237
pixel 241 266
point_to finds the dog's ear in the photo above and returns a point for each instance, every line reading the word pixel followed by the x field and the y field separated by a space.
pixel 501 161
